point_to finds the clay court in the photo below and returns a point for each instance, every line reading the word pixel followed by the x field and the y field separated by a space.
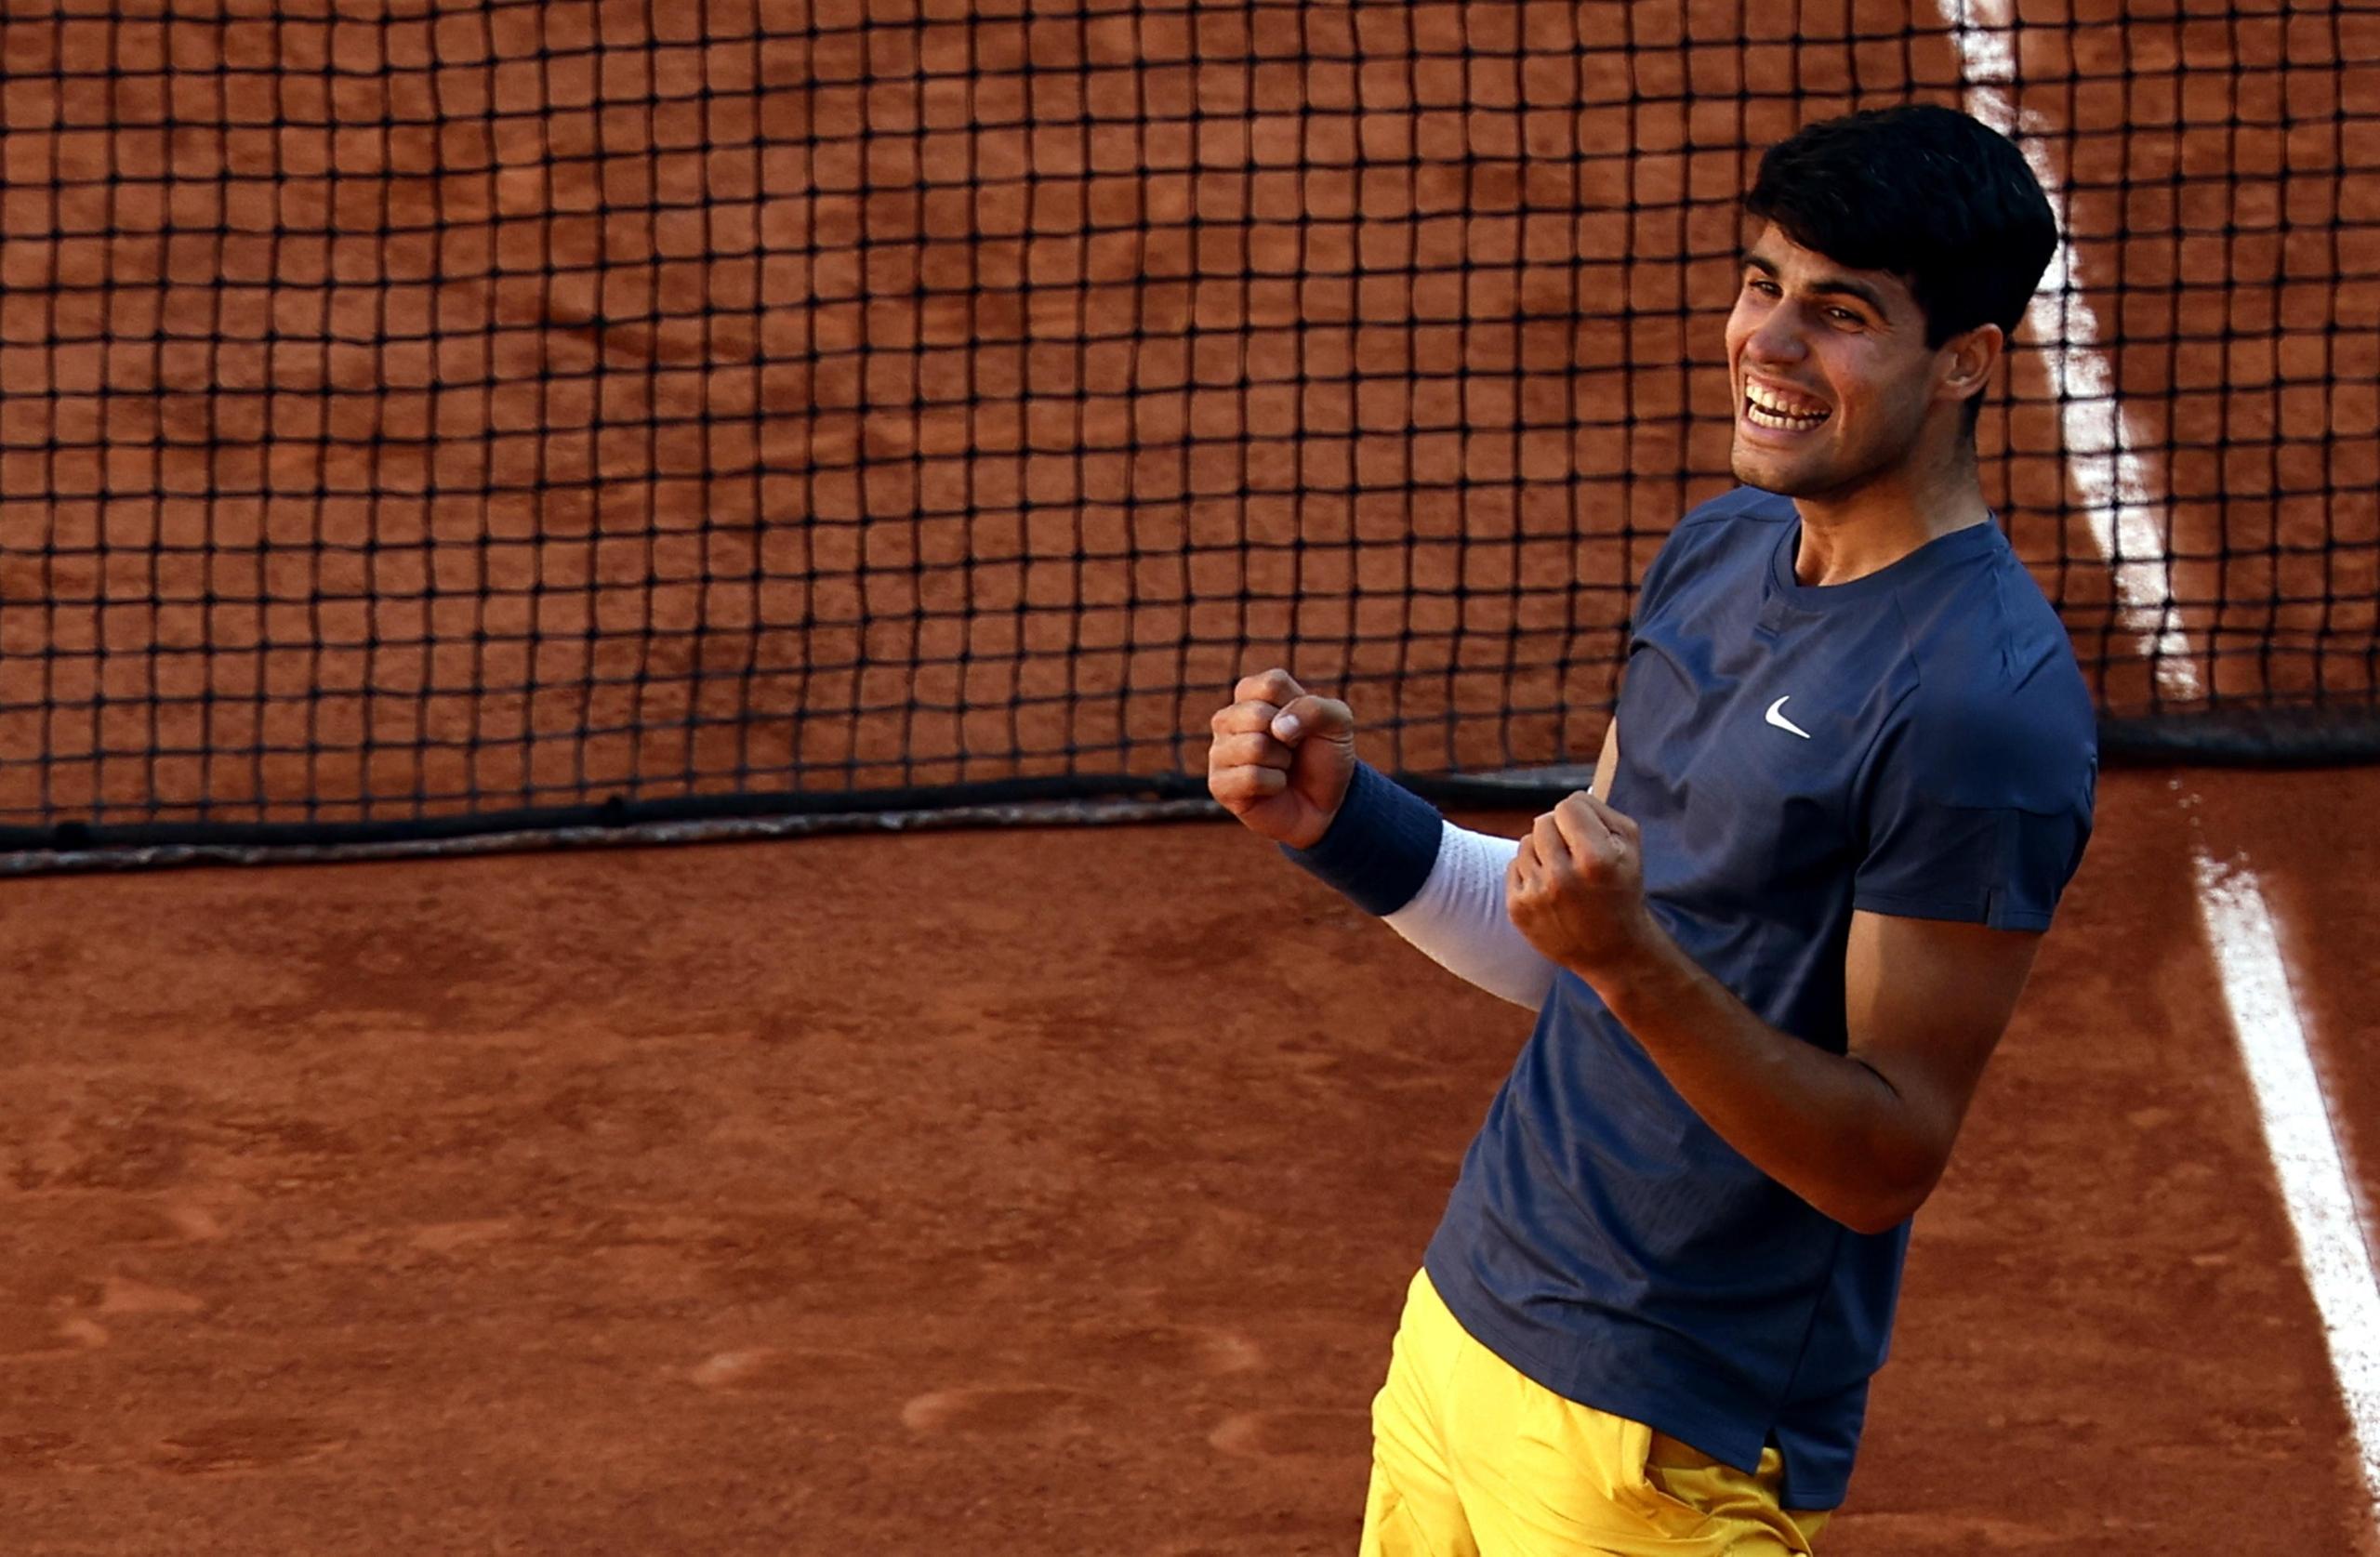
pixel 1029 1192
pixel 430 420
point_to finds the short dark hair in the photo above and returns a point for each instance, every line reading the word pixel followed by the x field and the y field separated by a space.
pixel 1929 195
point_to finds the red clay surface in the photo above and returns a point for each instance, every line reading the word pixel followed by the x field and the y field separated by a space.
pixel 1015 1192
pixel 2312 840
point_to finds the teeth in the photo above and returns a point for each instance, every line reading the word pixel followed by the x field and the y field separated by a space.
pixel 1764 407
pixel 1769 400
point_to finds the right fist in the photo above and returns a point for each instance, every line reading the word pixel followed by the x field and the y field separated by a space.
pixel 1282 757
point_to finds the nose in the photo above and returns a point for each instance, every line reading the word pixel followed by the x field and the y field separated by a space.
pixel 1776 337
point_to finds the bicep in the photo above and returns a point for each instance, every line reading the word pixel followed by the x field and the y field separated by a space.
pixel 1926 1001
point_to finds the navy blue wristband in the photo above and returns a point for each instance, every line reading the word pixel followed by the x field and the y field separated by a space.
pixel 1380 848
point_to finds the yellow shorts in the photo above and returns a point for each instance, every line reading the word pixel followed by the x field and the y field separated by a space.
pixel 1472 1460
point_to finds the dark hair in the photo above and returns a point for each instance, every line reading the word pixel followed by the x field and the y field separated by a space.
pixel 1929 195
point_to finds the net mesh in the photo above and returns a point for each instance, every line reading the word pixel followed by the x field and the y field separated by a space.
pixel 423 413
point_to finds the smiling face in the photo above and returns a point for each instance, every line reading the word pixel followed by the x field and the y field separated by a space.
pixel 1835 387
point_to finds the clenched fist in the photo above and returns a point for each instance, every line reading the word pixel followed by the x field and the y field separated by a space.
pixel 1281 757
pixel 1577 887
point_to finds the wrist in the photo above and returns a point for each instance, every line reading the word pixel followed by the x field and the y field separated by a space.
pixel 1641 963
pixel 1311 834
pixel 1379 844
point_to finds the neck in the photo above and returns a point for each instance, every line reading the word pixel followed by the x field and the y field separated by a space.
pixel 1851 533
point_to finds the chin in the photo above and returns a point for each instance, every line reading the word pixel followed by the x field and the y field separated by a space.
pixel 1768 476
pixel 1787 477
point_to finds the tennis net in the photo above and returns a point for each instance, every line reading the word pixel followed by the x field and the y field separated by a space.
pixel 435 420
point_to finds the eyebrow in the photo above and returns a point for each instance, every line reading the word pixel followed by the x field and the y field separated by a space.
pixel 1837 286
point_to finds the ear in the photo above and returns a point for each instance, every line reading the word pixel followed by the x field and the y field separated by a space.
pixel 1965 361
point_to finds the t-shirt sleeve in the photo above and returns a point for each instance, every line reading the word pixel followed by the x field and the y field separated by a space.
pixel 1981 818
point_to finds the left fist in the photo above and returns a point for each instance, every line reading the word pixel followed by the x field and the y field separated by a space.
pixel 1577 887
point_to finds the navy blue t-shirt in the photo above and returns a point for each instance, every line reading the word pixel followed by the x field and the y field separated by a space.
pixel 1919 743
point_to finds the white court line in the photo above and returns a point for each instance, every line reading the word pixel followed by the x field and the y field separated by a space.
pixel 2306 1152
pixel 2113 477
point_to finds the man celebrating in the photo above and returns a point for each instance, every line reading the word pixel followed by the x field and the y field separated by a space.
pixel 1849 774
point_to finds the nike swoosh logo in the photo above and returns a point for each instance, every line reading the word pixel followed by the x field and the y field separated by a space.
pixel 1777 716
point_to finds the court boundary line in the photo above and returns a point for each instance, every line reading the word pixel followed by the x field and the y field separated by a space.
pixel 2300 1135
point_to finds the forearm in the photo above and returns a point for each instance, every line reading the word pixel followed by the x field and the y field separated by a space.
pixel 1457 921
pixel 1826 1125
pixel 1438 886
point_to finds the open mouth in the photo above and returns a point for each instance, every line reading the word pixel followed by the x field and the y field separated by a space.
pixel 1764 407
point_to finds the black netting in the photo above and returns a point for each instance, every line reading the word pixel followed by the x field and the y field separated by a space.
pixel 452 416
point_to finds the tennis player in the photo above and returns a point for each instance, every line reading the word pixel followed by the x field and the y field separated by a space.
pixel 1850 772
